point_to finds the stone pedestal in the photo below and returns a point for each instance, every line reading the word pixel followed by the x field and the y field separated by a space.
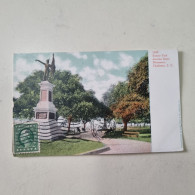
pixel 45 114
pixel 45 109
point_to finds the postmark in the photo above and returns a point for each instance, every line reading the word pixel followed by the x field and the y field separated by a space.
pixel 26 138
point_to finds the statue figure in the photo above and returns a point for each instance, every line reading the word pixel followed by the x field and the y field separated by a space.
pixel 52 66
pixel 48 67
pixel 46 72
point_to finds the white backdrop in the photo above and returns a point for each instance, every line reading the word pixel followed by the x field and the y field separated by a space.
pixel 95 25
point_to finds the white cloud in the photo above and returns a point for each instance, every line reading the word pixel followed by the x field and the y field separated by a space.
pixel 42 58
pixel 98 78
pixel 23 68
pixel 100 72
pixel 96 62
pixel 114 79
pixel 79 55
pixel 105 64
pixel 65 65
pixel 126 60
pixel 100 86
pixel 108 65
pixel 88 73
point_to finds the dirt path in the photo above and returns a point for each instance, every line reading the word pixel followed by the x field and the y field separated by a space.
pixel 125 146
pixel 118 146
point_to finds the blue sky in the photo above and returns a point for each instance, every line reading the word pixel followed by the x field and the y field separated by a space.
pixel 98 69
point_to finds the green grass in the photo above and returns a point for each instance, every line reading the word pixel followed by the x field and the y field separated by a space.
pixel 65 147
pixel 143 139
pixel 141 130
pixel 144 135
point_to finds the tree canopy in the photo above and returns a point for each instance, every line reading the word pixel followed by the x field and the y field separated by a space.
pixel 131 107
pixel 129 100
pixel 115 93
pixel 69 97
pixel 30 92
pixel 138 78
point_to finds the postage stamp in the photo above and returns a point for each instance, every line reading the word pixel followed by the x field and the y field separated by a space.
pixel 26 138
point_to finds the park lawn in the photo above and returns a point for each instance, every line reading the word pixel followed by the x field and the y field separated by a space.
pixel 143 139
pixel 64 147
pixel 142 130
pixel 144 135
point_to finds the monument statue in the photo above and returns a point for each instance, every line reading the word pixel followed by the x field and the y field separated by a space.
pixel 48 68
pixel 46 72
pixel 52 66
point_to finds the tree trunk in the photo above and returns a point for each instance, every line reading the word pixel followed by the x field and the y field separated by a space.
pixel 105 124
pixel 125 125
pixel 84 125
pixel 69 122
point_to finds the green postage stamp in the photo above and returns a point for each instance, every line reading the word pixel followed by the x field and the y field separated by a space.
pixel 26 138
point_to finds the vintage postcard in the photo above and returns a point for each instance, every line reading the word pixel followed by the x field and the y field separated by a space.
pixel 82 103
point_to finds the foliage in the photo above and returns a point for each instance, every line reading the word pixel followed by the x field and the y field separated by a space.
pixel 139 79
pixel 115 93
pixel 130 107
pixel 70 97
pixel 29 90
pixel 142 130
pixel 130 100
pixel 119 135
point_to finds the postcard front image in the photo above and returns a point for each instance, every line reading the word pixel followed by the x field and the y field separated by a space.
pixel 86 103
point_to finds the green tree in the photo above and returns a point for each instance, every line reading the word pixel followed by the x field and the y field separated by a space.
pixel 138 78
pixel 29 90
pixel 69 95
pixel 130 100
pixel 130 107
pixel 115 93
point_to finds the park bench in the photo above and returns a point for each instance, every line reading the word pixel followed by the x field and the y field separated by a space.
pixel 130 134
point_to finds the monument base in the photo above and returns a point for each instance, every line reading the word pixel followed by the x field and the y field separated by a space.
pixel 45 114
pixel 45 109
pixel 51 131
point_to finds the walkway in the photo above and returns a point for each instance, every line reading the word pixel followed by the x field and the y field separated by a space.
pixel 125 146
pixel 120 146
